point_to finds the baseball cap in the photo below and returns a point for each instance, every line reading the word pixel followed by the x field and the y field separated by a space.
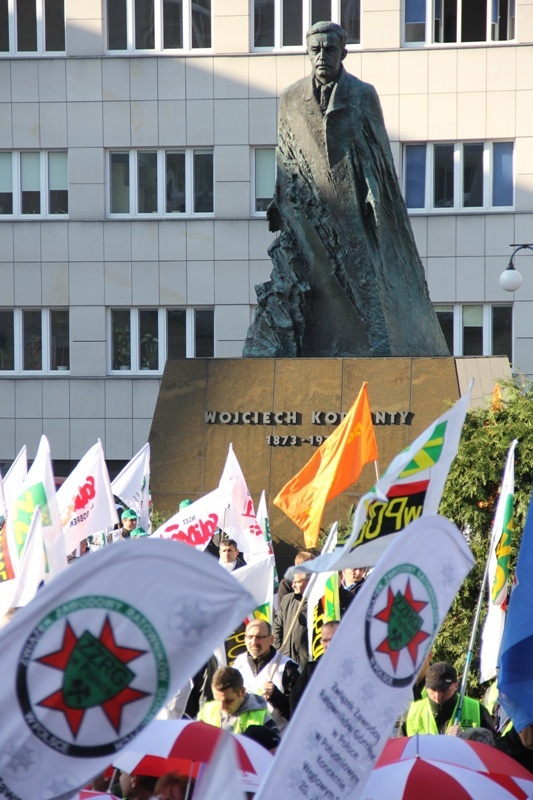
pixel 185 503
pixel 129 513
pixel 440 676
pixel 136 532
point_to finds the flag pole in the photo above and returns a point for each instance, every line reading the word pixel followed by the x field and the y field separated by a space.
pixel 376 467
pixel 470 651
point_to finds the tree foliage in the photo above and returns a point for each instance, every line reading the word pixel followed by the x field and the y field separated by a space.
pixel 469 500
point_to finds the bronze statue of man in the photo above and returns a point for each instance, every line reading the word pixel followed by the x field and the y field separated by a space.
pixel 347 279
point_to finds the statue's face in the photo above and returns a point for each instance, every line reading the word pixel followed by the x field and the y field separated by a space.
pixel 326 54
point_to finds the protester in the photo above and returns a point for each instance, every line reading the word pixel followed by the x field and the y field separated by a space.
pixel 266 672
pixel 233 708
pixel 138 533
pixel 435 713
pixel 171 786
pixel 290 625
pixel 129 523
pixel 137 787
pixel 477 735
pixel 263 736
pixel 352 579
pixel 518 745
pixel 285 585
pixel 327 633
pixel 230 558
pixel 201 691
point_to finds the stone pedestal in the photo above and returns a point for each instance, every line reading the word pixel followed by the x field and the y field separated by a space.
pixel 276 412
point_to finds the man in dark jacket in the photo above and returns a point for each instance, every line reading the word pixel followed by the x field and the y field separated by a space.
pixel 290 625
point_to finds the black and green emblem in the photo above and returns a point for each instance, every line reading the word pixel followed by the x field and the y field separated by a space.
pixel 396 635
pixel 97 673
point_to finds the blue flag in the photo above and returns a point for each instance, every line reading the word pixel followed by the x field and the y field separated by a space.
pixel 515 679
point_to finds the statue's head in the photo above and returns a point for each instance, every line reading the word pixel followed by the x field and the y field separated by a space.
pixel 331 28
pixel 326 47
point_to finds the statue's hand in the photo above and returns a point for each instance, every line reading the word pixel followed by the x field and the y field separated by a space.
pixel 275 220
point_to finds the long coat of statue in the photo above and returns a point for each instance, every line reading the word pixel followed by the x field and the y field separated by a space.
pixel 347 277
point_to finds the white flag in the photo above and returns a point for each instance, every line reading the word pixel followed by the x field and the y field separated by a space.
pixel 322 595
pixel 258 579
pixel 85 499
pixel 241 523
pixel 132 485
pixel 196 523
pixel 15 477
pixel 38 489
pixel 498 572
pixel 90 661
pixel 264 522
pixel 411 487
pixel 365 678
pixel 221 780
pixel 21 588
pixel 31 571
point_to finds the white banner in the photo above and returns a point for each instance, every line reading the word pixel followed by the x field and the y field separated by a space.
pixel 195 524
pixel 85 499
pixel 90 661
pixel 132 485
pixel 241 523
pixel 363 681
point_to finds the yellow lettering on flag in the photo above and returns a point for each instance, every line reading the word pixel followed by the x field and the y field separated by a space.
pixel 332 469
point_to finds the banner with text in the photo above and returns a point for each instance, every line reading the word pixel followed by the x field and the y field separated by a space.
pixel 364 680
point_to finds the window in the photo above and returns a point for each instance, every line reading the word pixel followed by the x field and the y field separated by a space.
pixel 143 338
pixel 143 182
pixel 284 23
pixel 32 26
pixel 33 183
pixel 477 330
pixel 159 25
pixel 453 176
pixel 34 340
pixel 447 21
pixel 264 180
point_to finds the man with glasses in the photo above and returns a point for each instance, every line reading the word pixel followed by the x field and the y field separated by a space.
pixel 266 672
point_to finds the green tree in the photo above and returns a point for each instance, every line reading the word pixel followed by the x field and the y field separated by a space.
pixel 469 500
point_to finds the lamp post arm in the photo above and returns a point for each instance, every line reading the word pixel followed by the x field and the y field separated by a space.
pixel 517 248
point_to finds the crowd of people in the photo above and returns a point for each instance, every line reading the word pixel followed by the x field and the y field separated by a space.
pixel 257 695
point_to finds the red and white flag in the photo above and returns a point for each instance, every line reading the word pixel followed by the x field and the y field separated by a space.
pixel 85 499
pixel 196 523
pixel 91 660
pixel 241 522
pixel 132 485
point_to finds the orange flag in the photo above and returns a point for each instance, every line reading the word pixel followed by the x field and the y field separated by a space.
pixel 335 466
pixel 497 404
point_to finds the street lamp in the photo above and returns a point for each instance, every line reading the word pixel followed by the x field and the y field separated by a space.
pixel 510 279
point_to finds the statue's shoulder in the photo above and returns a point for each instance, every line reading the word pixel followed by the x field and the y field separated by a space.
pixel 351 83
pixel 300 87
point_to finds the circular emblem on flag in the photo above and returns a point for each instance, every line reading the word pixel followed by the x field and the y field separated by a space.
pixel 91 675
pixel 401 617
